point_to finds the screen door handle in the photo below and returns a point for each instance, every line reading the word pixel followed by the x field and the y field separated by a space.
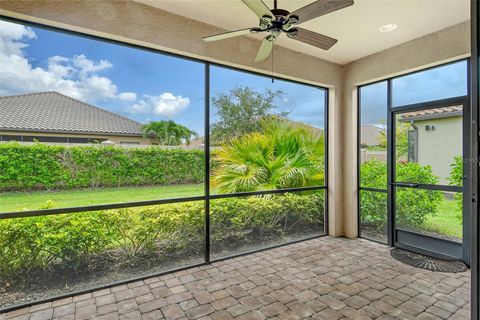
pixel 408 185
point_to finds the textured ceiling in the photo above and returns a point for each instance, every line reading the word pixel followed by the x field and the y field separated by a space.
pixel 356 27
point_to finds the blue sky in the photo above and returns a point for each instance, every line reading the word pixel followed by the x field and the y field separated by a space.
pixel 433 84
pixel 139 84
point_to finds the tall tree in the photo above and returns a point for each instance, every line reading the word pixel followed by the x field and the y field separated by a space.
pixel 168 133
pixel 240 112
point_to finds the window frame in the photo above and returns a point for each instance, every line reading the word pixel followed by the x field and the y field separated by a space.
pixel 392 108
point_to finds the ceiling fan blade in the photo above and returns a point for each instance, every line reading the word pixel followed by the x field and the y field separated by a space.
pixel 258 7
pixel 231 34
pixel 314 39
pixel 265 48
pixel 319 8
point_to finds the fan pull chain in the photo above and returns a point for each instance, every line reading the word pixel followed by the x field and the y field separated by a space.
pixel 273 79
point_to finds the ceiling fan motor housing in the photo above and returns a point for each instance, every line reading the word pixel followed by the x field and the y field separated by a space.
pixel 282 21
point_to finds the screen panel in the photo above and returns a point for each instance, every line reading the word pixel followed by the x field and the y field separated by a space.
pixel 243 224
pixel 373 135
pixel 373 215
pixel 265 135
pixel 47 256
pixel 437 83
pixel 94 123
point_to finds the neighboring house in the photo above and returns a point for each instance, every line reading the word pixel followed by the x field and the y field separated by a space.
pixel 196 143
pixel 52 117
pixel 435 138
pixel 370 137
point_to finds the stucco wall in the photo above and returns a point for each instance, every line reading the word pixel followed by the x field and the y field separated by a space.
pixel 437 148
pixel 446 45
pixel 139 24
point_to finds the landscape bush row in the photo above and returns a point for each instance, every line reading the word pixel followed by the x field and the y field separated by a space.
pixel 73 240
pixel 48 167
pixel 413 206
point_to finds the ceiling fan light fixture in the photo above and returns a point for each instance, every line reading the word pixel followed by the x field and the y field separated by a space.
pixel 388 27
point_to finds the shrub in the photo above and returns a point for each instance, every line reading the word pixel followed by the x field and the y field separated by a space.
pixel 283 154
pixel 40 166
pixel 265 215
pixel 456 179
pixel 138 230
pixel 38 242
pixel 71 240
pixel 412 206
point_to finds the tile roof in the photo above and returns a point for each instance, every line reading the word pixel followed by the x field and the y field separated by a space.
pixel 370 135
pixel 433 113
pixel 55 112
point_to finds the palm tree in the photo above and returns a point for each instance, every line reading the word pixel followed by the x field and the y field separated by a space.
pixel 168 132
pixel 283 154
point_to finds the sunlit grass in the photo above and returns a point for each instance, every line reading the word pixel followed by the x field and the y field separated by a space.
pixel 16 201
pixel 445 222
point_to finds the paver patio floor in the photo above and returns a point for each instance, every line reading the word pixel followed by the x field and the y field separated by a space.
pixel 325 278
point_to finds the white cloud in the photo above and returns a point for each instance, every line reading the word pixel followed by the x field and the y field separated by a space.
pixel 77 77
pixel 10 36
pixel 87 67
pixel 165 104
pixel 128 96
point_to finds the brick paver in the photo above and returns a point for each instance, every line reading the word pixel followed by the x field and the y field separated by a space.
pixel 325 278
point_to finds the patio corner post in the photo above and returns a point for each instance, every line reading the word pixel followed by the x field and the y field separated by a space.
pixel 207 162
pixel 474 163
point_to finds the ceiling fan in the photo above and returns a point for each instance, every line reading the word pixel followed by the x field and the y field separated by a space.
pixel 276 21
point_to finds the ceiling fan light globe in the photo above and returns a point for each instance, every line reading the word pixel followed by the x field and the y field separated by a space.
pixel 265 22
pixel 292 19
pixel 292 32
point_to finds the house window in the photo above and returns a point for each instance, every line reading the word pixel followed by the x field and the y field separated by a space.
pixel 412 145
pixel 10 138
pixel 45 139
pixel 49 139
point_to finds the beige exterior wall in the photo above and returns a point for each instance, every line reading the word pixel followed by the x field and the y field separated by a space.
pixel 437 148
pixel 143 25
pixel 116 139
pixel 367 155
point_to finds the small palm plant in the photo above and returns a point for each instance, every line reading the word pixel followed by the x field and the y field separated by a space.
pixel 283 154
pixel 168 133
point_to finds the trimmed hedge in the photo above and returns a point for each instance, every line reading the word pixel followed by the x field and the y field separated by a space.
pixel 47 167
pixel 71 240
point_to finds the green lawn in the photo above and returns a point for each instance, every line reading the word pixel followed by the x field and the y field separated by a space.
pixel 445 222
pixel 16 201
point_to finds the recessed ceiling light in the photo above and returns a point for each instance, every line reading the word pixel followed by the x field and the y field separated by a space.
pixel 388 27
